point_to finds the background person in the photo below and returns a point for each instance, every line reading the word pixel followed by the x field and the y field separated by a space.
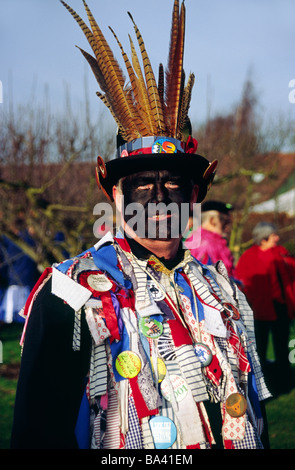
pixel 18 274
pixel 267 273
pixel 209 243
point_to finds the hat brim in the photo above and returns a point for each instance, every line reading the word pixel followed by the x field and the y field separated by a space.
pixel 192 165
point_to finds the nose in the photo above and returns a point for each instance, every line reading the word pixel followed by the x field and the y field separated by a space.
pixel 160 192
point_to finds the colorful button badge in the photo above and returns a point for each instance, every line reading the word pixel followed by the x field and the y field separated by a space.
pixel 155 290
pixel 150 327
pixel 231 311
pixel 179 387
pixel 128 364
pixel 164 432
pixel 161 368
pixel 203 353
pixel 99 282
pixel 236 405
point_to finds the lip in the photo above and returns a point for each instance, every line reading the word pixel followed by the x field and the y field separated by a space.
pixel 160 217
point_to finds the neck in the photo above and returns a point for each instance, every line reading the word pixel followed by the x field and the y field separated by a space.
pixel 144 248
pixel 166 249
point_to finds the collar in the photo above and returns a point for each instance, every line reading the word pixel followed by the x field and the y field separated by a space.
pixel 143 254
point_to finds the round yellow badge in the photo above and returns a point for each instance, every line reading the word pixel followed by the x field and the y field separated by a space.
pixel 128 364
pixel 236 405
pixel 161 368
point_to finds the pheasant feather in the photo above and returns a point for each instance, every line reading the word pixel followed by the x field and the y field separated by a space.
pixel 185 103
pixel 150 82
pixel 118 99
pixel 175 70
pixel 106 52
pixel 139 100
pixel 161 86
pixel 143 93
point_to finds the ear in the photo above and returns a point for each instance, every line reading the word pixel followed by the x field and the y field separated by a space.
pixel 117 196
pixel 115 193
pixel 213 220
pixel 194 195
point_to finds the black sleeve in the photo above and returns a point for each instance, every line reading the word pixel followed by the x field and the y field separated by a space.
pixel 52 377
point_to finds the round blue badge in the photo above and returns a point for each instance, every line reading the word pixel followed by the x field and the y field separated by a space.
pixel 163 431
pixel 203 353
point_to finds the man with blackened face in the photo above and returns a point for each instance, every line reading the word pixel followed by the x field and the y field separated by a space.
pixel 155 207
pixel 130 345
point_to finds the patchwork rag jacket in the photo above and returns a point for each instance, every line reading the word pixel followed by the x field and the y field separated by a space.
pixel 120 352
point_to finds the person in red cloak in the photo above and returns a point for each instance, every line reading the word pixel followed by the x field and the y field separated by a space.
pixel 267 273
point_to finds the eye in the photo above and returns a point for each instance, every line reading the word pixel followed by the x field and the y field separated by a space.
pixel 144 187
pixel 172 185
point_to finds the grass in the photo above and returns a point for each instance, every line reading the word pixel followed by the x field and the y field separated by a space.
pixel 280 410
pixel 10 348
pixel 281 421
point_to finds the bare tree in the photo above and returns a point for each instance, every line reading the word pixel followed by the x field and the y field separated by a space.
pixel 246 151
pixel 47 178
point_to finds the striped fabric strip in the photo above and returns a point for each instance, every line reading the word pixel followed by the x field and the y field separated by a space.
pixel 229 356
pixel 186 413
pixel 148 441
pixel 247 319
pixel 112 433
pixel 141 293
pixel 165 344
pixel 191 368
pixel 77 331
pixel 168 412
pixel 202 288
pixel 95 439
pixel 98 371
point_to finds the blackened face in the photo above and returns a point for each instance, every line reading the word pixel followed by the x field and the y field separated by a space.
pixel 156 203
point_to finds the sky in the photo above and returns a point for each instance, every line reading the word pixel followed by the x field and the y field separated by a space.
pixel 227 42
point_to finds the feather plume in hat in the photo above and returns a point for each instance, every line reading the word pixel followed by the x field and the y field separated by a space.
pixel 143 107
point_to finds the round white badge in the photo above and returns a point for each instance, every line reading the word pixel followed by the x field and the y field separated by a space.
pixel 99 282
pixel 155 291
pixel 179 387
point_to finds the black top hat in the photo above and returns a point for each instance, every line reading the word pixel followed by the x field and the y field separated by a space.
pixel 152 117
